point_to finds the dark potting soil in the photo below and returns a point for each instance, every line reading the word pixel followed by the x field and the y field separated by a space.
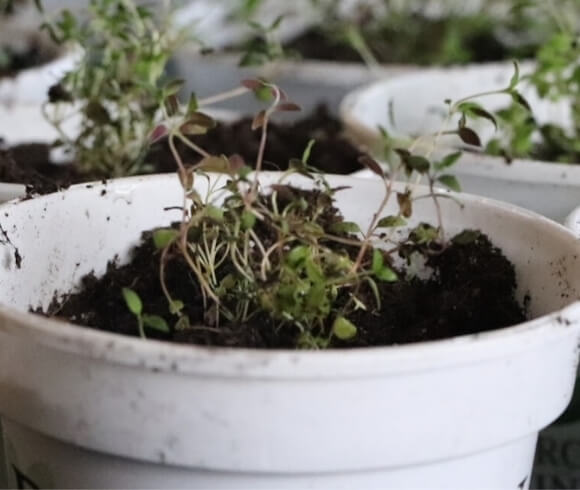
pixel 417 40
pixel 332 152
pixel 30 164
pixel 12 61
pixel 471 290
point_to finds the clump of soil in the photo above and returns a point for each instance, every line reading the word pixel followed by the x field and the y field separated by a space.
pixel 417 40
pixel 30 164
pixel 472 289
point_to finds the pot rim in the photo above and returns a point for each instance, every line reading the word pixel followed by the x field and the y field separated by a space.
pixel 163 356
pixel 553 171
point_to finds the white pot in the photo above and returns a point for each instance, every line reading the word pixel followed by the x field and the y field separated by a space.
pixel 557 461
pixel 84 408
pixel 308 83
pixel 217 24
pixel 416 101
pixel 21 119
pixel 31 86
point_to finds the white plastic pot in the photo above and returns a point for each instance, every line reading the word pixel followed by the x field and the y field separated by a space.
pixel 218 23
pixel 84 408
pixel 557 461
pixel 309 83
pixel 31 85
pixel 21 98
pixel 413 104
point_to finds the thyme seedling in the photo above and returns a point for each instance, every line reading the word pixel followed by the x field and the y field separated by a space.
pixel 117 89
pixel 280 254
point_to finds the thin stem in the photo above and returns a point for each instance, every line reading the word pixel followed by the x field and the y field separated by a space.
pixel 193 146
pixel 230 94
pixel 261 151
pixel 437 208
pixel 162 264
pixel 457 103
pixel 141 327
pixel 373 225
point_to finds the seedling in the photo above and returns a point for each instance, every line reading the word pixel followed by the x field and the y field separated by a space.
pixel 144 321
pixel 556 77
pixel 401 32
pixel 281 254
pixel 118 87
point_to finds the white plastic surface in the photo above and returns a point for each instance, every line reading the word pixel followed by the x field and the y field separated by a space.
pixel 459 413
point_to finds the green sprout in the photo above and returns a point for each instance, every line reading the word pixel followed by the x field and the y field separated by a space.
pixel 135 306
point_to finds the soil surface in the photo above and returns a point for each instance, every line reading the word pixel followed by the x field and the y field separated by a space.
pixel 30 164
pixel 12 61
pixel 471 290
pixel 416 41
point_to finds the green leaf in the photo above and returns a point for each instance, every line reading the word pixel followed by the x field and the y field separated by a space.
pixel 345 227
pixel 316 298
pixel 520 99
pixel 313 229
pixel 173 87
pixel 344 329
pixel 386 274
pixel 473 109
pixel 133 301
pixel 375 289
pixel 308 151
pixel 214 213
pixel 200 119
pixel 418 163
pixel 276 23
pixel 156 323
pixel 314 272
pixel 466 237
pixel 378 261
pixel 516 76
pixel 192 105
pixel 450 181
pixel 228 282
pixel 448 161
pixel 244 171
pixel 392 222
pixel 424 233
pixel 248 220
pixel 297 255
pixel 162 238
pixel 263 94
pixel 171 105
pixel 176 306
